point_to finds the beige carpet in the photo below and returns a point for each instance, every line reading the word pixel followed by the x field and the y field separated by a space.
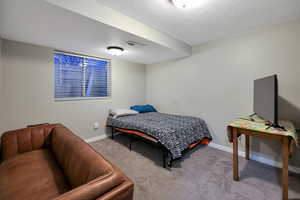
pixel 204 174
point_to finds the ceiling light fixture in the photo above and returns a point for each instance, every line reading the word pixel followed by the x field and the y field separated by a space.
pixel 189 3
pixel 115 51
pixel 181 3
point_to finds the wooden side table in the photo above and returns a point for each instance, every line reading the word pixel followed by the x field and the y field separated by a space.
pixel 285 143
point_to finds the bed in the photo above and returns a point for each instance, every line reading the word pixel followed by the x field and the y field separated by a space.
pixel 174 134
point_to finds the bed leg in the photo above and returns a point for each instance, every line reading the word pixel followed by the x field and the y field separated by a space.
pixel 171 163
pixel 130 142
pixel 164 158
pixel 169 159
pixel 112 132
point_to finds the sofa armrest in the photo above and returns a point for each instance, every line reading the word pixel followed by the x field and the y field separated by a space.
pixel 23 140
pixel 89 174
pixel 121 192
pixel 110 185
pixel 79 162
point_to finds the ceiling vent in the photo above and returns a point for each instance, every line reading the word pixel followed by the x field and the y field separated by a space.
pixel 133 43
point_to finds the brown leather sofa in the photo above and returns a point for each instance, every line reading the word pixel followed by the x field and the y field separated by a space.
pixel 50 162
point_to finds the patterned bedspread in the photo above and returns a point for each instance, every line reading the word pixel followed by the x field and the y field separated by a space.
pixel 175 132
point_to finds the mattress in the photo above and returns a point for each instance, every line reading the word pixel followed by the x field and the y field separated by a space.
pixel 205 141
pixel 175 132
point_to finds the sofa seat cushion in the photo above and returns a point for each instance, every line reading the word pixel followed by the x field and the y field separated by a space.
pixel 32 175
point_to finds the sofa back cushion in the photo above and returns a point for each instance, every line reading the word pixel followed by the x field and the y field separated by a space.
pixel 23 140
pixel 80 163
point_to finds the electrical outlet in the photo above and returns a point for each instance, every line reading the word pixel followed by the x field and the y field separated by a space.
pixel 96 125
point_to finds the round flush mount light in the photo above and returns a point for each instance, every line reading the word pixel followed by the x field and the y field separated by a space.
pixel 182 3
pixel 115 50
pixel 188 3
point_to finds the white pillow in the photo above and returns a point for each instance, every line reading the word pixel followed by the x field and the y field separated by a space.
pixel 122 112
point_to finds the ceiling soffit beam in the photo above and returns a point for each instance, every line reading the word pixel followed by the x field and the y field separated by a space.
pixel 94 10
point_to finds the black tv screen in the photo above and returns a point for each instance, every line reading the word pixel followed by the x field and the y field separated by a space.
pixel 266 98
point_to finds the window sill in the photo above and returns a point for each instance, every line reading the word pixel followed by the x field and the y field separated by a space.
pixel 81 98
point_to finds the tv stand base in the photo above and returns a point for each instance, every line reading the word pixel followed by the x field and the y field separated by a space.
pixel 277 126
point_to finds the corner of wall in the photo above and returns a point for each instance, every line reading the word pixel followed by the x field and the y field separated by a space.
pixel 145 83
pixel 1 89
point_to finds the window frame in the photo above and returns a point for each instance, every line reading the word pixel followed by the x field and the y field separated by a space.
pixel 109 82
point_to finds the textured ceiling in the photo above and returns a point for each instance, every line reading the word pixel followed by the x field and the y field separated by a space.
pixel 211 20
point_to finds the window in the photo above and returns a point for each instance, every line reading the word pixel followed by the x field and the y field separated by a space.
pixel 79 76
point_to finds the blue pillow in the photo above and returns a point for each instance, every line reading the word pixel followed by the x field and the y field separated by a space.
pixel 143 108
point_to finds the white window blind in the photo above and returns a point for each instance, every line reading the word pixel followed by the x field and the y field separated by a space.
pixel 79 76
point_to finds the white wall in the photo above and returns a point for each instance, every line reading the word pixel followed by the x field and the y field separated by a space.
pixel 29 90
pixel 216 82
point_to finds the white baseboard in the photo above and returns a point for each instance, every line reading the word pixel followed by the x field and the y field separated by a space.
pixel 255 156
pixel 101 137
pixel 225 148
pixel 94 139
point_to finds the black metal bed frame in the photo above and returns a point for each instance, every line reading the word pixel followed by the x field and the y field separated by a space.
pixel 167 158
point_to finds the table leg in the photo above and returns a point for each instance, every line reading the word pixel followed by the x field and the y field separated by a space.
pixel 285 168
pixel 235 155
pixel 247 147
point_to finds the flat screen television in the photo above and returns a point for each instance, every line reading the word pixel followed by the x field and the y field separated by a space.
pixel 266 99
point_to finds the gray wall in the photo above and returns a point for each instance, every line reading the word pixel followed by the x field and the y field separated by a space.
pixel 216 82
pixel 29 89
